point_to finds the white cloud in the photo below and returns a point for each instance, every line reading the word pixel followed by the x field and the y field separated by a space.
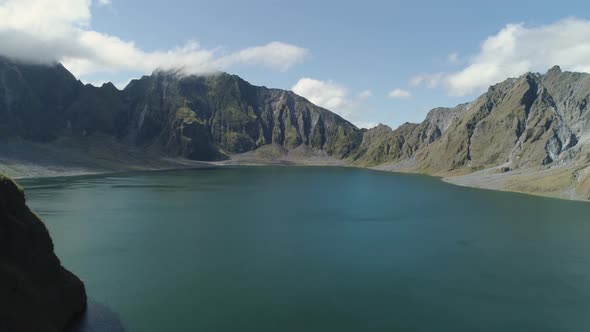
pixel 430 80
pixel 400 94
pixel 326 94
pixel 44 31
pixel 44 18
pixel 515 50
pixel 334 97
pixel 453 57
pixel 104 2
pixel 276 55
pixel 364 95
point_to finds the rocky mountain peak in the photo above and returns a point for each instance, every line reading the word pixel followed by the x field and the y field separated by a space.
pixel 554 70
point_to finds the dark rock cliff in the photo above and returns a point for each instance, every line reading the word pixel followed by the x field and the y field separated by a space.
pixel 200 118
pixel 36 292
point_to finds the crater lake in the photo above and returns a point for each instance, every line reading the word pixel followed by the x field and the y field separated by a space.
pixel 316 249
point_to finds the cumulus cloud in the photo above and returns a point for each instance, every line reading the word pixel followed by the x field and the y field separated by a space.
pixel 333 96
pixel 276 55
pixel 515 50
pixel 400 94
pixel 326 94
pixel 45 31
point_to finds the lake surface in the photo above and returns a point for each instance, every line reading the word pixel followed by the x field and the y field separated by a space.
pixel 316 249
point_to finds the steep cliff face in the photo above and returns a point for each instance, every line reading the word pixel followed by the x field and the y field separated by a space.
pixel 384 145
pixel 215 116
pixel 530 121
pixel 34 98
pixel 518 123
pixel 201 118
pixel 537 122
pixel 381 144
pixel 36 292
pixel 535 125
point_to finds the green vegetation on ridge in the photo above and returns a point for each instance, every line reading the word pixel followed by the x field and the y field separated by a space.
pixel 531 122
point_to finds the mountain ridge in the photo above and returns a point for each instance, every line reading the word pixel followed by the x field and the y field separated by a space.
pixel 199 117
pixel 524 134
pixel 531 124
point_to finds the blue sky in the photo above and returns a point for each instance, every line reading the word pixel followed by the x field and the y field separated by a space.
pixel 356 53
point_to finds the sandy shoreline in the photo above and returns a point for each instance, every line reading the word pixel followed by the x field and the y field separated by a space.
pixel 22 160
pixel 471 181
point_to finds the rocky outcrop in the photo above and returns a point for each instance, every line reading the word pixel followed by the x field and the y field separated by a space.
pixel 34 99
pixel 530 121
pixel 200 118
pixel 533 124
pixel 36 292
pixel 208 118
pixel 382 145
pixel 518 123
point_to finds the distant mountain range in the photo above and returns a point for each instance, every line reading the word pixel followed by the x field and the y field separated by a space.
pixel 525 134
pixel 201 118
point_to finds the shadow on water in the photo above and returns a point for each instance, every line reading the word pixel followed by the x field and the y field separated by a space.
pixel 98 318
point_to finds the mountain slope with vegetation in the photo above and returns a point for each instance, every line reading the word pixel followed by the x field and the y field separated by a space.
pixel 200 118
pixel 526 134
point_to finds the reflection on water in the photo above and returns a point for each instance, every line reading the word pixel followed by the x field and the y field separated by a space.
pixel 98 318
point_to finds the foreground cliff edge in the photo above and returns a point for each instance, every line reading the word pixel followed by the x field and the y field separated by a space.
pixel 36 292
pixel 528 134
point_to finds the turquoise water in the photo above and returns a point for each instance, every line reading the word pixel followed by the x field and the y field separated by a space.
pixel 316 249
